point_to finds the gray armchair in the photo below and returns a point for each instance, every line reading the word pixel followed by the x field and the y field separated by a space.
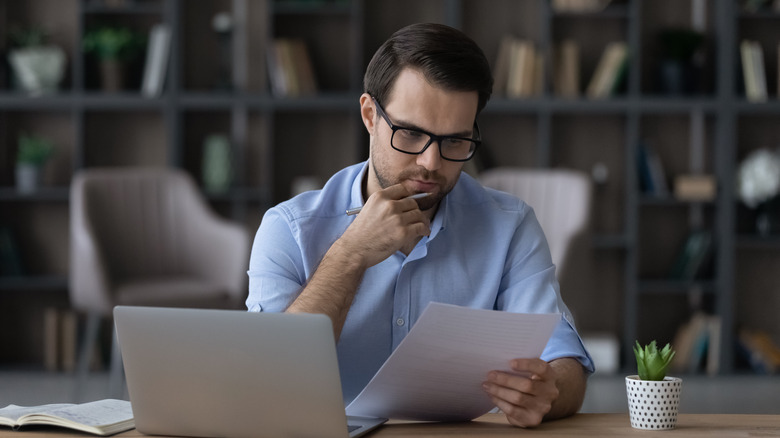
pixel 146 236
pixel 561 199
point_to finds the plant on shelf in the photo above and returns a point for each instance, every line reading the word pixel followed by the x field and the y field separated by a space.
pixel 33 153
pixel 114 48
pixel 679 66
pixel 38 67
pixel 653 398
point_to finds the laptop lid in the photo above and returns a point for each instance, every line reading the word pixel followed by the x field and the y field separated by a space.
pixel 230 373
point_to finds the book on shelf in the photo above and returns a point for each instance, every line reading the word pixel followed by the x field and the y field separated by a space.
pixel 762 353
pixel 101 417
pixel 519 68
pixel 566 68
pixel 157 54
pixel 60 329
pixel 10 256
pixel 753 72
pixel 610 71
pixel 652 175
pixel 697 345
pixel 695 187
pixel 692 256
pixel 290 68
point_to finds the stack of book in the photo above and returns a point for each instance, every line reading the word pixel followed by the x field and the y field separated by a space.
pixel 290 68
pixel 566 66
pixel 610 71
pixel 519 68
pixel 697 345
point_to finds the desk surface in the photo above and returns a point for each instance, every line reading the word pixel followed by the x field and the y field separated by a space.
pixel 580 425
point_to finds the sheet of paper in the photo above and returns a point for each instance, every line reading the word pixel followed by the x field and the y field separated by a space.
pixel 436 373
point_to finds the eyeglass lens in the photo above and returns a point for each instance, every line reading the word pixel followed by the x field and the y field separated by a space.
pixel 411 141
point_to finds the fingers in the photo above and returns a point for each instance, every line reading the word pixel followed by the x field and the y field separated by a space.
pixel 526 394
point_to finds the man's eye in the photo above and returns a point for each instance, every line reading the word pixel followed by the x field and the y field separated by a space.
pixel 408 133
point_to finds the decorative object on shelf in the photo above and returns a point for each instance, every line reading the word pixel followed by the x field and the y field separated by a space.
pixel 216 163
pixel 579 6
pixel 758 187
pixel 37 67
pixel 157 54
pixel 290 68
pixel 114 47
pixel 34 151
pixel 653 398
pixel 681 62
pixel 223 24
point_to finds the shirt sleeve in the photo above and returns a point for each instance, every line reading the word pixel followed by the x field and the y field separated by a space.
pixel 276 272
pixel 529 285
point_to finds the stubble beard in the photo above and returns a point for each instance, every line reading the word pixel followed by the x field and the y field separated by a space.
pixel 385 180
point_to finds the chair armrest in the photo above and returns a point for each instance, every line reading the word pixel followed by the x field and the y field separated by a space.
pixel 88 280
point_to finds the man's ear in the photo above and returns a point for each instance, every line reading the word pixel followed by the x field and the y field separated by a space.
pixel 367 112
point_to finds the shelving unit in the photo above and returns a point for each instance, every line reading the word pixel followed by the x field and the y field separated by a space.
pixel 275 140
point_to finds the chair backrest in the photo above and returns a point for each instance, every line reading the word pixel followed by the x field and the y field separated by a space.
pixel 561 199
pixel 144 218
pixel 136 223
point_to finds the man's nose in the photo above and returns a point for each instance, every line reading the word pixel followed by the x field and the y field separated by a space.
pixel 430 158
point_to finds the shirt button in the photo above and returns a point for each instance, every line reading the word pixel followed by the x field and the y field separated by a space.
pixel 399 322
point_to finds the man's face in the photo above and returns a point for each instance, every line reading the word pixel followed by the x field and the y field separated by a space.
pixel 415 103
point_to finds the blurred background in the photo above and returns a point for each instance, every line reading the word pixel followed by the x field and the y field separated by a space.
pixel 667 109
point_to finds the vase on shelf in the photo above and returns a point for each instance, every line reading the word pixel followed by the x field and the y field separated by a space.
pixel 768 217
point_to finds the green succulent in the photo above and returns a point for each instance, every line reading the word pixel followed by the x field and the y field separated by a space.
pixel 34 150
pixel 113 42
pixel 652 364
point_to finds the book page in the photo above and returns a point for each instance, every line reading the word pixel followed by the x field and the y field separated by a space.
pixel 436 373
pixel 97 413
pixel 10 414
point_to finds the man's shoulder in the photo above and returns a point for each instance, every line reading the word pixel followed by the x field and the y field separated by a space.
pixel 330 201
pixel 473 195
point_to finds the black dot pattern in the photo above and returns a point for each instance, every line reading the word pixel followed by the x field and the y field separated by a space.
pixel 653 404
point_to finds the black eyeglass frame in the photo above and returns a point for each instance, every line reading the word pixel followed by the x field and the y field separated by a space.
pixel 432 137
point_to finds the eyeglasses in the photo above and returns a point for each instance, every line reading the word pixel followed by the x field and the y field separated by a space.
pixel 416 141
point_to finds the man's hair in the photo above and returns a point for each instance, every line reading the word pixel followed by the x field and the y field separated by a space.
pixel 445 56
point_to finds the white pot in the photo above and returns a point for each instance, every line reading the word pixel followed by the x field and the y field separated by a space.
pixel 653 405
pixel 28 178
pixel 38 69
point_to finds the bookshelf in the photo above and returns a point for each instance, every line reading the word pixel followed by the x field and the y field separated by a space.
pixel 275 139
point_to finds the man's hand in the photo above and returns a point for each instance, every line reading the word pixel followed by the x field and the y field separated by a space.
pixel 537 390
pixel 387 223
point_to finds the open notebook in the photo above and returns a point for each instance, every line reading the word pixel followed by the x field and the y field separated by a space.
pixel 233 374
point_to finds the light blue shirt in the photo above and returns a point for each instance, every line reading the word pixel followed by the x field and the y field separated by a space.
pixel 486 250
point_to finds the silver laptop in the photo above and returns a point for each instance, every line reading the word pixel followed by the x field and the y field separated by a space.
pixel 233 374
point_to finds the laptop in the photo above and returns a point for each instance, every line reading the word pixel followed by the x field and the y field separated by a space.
pixel 233 374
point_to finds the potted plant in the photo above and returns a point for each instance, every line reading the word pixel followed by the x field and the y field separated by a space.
pixel 34 151
pixel 653 398
pixel 38 67
pixel 679 69
pixel 758 187
pixel 113 48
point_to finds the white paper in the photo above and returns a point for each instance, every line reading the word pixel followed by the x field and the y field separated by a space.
pixel 436 373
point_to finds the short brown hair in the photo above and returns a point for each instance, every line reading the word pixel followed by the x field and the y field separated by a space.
pixel 445 56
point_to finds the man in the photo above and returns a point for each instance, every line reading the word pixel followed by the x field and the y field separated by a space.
pixel 373 273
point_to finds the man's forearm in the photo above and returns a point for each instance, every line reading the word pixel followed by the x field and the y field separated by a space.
pixel 571 382
pixel 331 288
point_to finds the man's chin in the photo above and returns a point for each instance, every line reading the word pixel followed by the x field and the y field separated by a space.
pixel 429 202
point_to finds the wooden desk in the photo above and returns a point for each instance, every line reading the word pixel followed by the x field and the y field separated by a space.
pixel 580 425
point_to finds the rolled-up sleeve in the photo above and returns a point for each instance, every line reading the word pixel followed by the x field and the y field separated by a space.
pixel 275 265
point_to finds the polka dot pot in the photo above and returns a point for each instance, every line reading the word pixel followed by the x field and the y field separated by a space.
pixel 653 405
